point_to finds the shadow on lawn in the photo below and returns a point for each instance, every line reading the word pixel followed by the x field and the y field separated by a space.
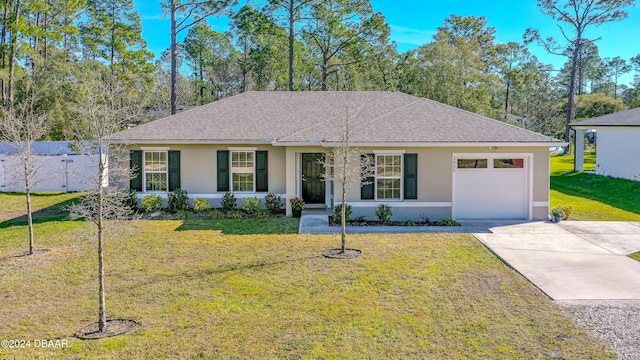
pixel 56 212
pixel 619 193
pixel 278 225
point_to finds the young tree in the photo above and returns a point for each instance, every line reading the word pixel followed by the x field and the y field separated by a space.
pixel 22 125
pixel 576 16
pixel 345 164
pixel 102 111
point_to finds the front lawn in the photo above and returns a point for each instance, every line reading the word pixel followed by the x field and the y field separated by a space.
pixel 203 294
pixel 593 197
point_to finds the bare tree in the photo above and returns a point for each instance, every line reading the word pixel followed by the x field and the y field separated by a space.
pixel 347 165
pixel 21 126
pixel 102 111
pixel 577 16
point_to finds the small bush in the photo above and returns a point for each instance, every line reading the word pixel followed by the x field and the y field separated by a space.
pixel 201 205
pixel 216 214
pixel 178 201
pixel 228 202
pixel 383 213
pixel 262 214
pixel 408 222
pixel 273 203
pixel 132 200
pixel 448 222
pixel 251 205
pixel 151 203
pixel 183 214
pixel 567 209
pixel 337 213
pixel 234 214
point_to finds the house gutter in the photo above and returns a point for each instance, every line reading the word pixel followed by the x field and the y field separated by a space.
pixel 334 144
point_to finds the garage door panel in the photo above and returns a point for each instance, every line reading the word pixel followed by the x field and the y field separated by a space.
pixel 500 193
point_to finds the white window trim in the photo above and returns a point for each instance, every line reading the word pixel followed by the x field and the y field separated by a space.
pixel 400 177
pixel 144 171
pixel 252 171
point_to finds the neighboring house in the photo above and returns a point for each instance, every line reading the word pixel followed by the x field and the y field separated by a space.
pixel 617 143
pixel 57 166
pixel 432 159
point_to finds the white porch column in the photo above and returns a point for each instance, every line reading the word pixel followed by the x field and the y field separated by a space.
pixel 291 174
pixel 579 159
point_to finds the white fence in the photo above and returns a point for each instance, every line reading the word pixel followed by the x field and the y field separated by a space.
pixel 53 173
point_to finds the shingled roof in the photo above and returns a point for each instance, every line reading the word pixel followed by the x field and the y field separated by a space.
pixel 629 117
pixel 302 117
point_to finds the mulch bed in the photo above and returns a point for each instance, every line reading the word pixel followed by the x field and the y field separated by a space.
pixel 338 254
pixel 115 327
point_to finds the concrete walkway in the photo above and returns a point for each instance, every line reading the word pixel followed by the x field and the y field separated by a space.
pixel 572 260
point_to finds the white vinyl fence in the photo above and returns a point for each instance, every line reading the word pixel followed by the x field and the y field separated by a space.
pixel 53 173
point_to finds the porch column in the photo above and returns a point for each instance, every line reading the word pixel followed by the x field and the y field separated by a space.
pixel 291 178
pixel 579 159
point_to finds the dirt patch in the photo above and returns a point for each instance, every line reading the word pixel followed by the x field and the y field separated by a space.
pixel 115 327
pixel 338 254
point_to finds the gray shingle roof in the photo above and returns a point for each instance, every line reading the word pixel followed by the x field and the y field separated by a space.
pixel 301 116
pixel 629 117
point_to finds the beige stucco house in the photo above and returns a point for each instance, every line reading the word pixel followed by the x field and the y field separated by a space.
pixel 431 158
pixel 617 144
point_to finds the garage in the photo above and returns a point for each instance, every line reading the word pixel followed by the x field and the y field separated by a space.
pixel 491 186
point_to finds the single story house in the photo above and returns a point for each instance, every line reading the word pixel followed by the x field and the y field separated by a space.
pixel 431 158
pixel 617 143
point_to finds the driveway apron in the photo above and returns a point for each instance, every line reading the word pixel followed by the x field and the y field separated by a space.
pixel 572 260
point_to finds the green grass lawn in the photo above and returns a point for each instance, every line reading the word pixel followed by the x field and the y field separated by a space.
pixel 203 294
pixel 593 197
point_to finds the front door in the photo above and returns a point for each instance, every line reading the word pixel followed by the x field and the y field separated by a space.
pixel 313 185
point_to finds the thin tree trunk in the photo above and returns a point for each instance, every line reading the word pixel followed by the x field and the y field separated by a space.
pixel 27 186
pixel 291 42
pixel 12 59
pixel 506 100
pixel 343 219
pixel 102 317
pixel 174 58
pixel 325 73
pixel 571 108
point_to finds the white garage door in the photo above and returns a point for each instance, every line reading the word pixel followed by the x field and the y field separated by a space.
pixel 490 187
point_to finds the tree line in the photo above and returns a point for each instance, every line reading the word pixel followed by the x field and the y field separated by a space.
pixel 47 48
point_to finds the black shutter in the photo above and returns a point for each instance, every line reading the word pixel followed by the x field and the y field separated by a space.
pixel 367 188
pixel 135 164
pixel 262 171
pixel 174 170
pixel 223 170
pixel 411 176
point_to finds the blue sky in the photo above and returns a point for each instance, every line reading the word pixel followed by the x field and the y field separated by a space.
pixel 414 22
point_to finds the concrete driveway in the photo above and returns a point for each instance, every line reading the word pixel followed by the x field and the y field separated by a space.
pixel 572 260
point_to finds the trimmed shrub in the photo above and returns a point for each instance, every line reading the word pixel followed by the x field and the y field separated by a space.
pixel 151 203
pixel 567 209
pixel 228 202
pixel 337 213
pixel 448 222
pixel 201 205
pixel 178 200
pixel 383 213
pixel 273 203
pixel 250 205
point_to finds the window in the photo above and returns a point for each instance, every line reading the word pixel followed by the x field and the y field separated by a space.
pixel 472 163
pixel 155 170
pixel 388 177
pixel 242 171
pixel 508 163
